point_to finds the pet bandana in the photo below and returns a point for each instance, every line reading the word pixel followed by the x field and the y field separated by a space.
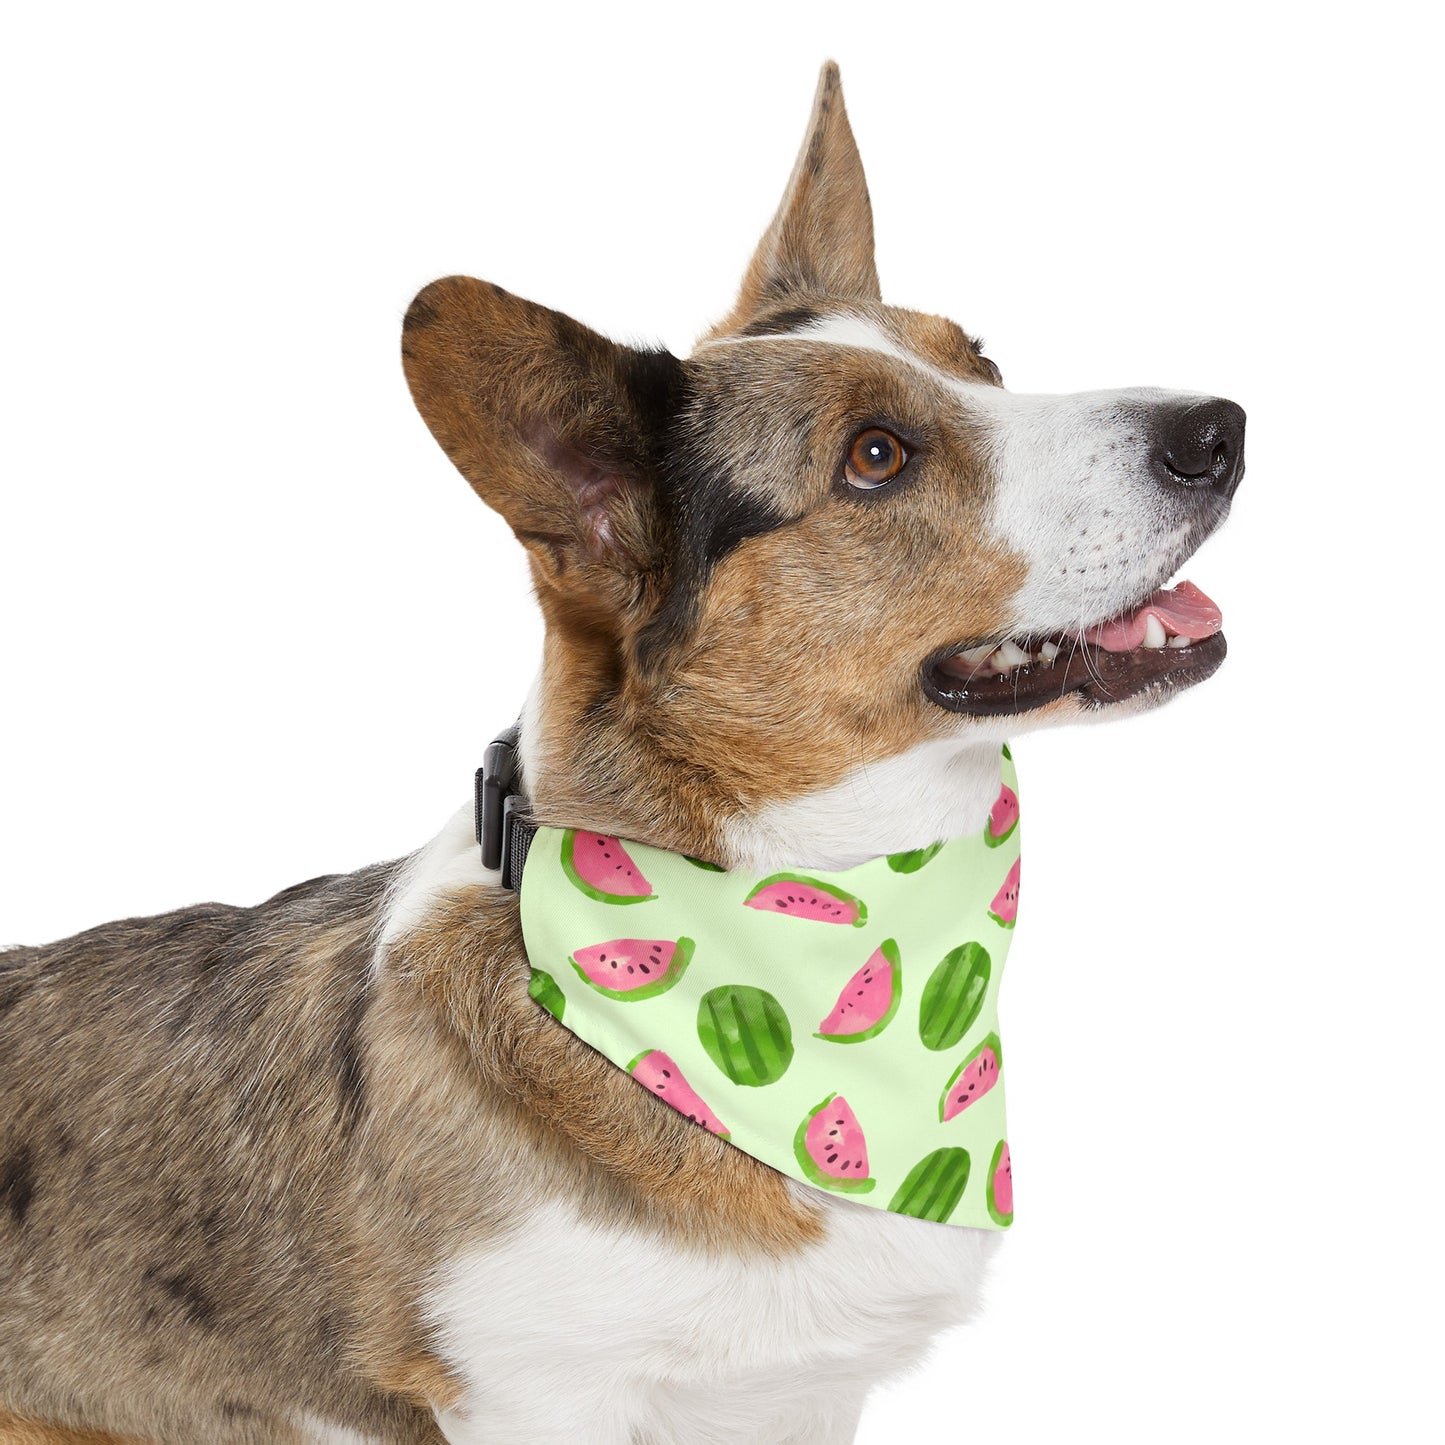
pixel 841 1027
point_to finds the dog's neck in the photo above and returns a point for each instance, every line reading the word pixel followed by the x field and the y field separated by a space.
pixel 595 771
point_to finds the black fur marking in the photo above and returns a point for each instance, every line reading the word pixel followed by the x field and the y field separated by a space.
pixel 350 1067
pixel 421 313
pixel 17 1183
pixel 326 1335
pixel 709 518
pixel 235 1410
pixel 195 1304
pixel 779 323
pixel 210 1228
pixel 11 992
pixel 654 382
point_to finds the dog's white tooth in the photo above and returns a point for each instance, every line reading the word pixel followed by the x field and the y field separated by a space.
pixel 1049 651
pixel 976 655
pixel 1154 634
pixel 1013 655
pixel 1180 641
pixel 997 664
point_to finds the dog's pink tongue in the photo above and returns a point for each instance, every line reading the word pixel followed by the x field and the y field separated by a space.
pixel 1184 611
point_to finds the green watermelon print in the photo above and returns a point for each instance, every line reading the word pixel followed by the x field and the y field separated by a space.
pixel 655 1070
pixel 1001 1187
pixel 934 1186
pixel 972 1079
pixel 868 1001
pixel 543 988
pixel 912 861
pixel 704 864
pixel 598 865
pixel 633 968
pixel 799 896
pixel 746 1034
pixel 831 1149
pixel 953 996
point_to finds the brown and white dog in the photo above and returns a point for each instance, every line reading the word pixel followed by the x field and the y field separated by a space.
pixel 303 1171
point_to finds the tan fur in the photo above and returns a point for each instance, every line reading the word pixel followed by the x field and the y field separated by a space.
pixel 587 1121
pixel 14 1431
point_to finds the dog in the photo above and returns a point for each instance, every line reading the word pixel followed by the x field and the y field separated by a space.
pixel 322 1170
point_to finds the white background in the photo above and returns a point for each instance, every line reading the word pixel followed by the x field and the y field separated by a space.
pixel 256 629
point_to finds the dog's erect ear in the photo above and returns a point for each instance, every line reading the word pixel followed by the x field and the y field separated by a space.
pixel 555 426
pixel 821 240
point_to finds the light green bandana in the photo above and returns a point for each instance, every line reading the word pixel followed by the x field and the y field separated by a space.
pixel 841 1027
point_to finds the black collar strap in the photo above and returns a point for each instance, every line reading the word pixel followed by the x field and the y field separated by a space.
pixel 504 833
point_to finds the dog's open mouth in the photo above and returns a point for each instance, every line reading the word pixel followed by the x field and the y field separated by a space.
pixel 1171 640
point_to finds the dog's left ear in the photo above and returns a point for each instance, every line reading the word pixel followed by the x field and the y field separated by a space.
pixel 820 243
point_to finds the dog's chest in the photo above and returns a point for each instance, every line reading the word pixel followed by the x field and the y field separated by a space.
pixel 568 1321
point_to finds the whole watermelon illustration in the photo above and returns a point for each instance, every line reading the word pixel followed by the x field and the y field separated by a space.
pixel 934 1186
pixel 913 860
pixel 746 1034
pixel 543 988
pixel 953 996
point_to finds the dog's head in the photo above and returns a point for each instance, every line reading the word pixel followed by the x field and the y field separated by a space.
pixel 827 539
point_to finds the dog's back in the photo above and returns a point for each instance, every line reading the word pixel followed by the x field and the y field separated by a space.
pixel 178 1100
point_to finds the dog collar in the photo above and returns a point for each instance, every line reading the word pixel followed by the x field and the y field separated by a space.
pixel 840 1026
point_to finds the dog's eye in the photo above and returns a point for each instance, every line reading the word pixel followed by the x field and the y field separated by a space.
pixel 991 367
pixel 875 457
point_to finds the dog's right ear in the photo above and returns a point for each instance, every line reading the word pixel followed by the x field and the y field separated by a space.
pixel 820 243
pixel 555 426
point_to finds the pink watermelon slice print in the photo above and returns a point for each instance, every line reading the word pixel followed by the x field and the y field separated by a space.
pixel 633 968
pixel 799 896
pixel 1005 906
pixel 831 1148
pixel 1001 1187
pixel 1003 817
pixel 598 865
pixel 868 1001
pixel 655 1070
pixel 972 1079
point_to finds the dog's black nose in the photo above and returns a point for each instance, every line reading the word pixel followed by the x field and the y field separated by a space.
pixel 1200 444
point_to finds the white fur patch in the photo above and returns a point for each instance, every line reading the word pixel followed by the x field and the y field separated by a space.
pixel 571 1330
pixel 451 860
pixel 322 1432
pixel 936 790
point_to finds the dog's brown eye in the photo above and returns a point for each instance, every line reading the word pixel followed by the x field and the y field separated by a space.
pixel 875 457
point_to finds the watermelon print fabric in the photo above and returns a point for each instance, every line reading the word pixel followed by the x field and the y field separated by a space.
pixel 841 1027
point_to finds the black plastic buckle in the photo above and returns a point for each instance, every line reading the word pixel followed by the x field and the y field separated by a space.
pixel 503 832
